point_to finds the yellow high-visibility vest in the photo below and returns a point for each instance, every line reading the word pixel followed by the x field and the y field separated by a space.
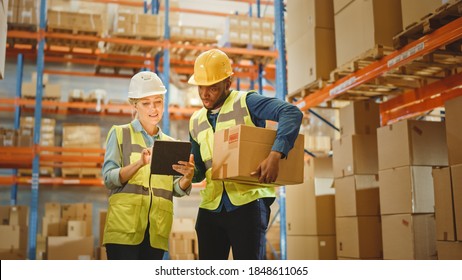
pixel 233 112
pixel 132 205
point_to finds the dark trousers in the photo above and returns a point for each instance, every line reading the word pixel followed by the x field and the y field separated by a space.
pixel 243 230
pixel 142 251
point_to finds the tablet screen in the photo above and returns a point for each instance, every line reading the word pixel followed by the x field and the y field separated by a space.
pixel 166 153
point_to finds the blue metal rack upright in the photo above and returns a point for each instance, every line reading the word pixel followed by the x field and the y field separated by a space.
pixel 17 115
pixel 33 221
pixel 281 92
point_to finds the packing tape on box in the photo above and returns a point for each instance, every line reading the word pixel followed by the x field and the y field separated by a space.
pixel 92 22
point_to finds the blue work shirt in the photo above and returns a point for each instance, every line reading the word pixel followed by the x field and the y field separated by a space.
pixel 113 159
pixel 261 109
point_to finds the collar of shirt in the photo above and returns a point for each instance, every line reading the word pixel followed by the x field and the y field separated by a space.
pixel 147 138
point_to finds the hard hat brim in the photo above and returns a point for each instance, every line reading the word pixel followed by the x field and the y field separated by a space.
pixel 192 81
pixel 146 94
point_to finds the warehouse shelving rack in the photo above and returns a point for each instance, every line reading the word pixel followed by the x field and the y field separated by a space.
pixel 33 154
pixel 412 102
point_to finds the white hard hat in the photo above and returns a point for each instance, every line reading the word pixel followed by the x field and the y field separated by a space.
pixel 144 84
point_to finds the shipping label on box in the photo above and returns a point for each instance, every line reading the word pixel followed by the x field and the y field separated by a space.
pixel 238 151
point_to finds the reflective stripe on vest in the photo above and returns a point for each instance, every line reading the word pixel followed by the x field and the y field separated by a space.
pixel 127 149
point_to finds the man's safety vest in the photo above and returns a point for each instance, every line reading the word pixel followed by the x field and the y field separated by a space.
pixel 131 205
pixel 233 112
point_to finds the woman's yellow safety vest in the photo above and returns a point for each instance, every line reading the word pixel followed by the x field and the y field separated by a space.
pixel 233 112
pixel 136 202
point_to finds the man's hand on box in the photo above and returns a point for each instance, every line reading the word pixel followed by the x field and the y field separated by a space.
pixel 267 171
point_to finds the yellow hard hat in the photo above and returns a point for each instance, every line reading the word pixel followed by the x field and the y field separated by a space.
pixel 211 67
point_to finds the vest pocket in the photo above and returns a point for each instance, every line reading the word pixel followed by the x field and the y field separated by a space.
pixel 124 213
pixel 164 218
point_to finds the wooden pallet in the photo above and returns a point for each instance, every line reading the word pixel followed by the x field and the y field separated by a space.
pixel 22 41
pixel 306 90
pixel 429 23
pixel 129 49
pixel 73 43
pixel 44 171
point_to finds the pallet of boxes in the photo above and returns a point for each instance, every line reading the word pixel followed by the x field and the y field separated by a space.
pixel 357 209
pixel 76 18
pixel 67 229
pixel 51 92
pixel 408 151
pixel 13 232
pixel 47 139
pixel 448 189
pixel 240 149
pixel 82 136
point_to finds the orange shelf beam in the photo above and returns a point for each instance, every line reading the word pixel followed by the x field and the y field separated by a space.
pixel 428 43
pixel 415 95
pixel 421 107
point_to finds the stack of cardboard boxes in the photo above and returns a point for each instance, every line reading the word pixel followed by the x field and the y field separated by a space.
pixel 310 42
pixel 68 231
pixel 49 91
pixel 357 207
pixel 47 139
pixel 183 241
pixel 448 189
pixel 24 12
pixel 408 150
pixel 13 232
pixel 244 30
pixel 311 213
pixel 82 136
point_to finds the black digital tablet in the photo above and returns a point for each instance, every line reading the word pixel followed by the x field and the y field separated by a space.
pixel 166 153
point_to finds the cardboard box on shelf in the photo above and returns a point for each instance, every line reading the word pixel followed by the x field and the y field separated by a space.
pixel 3 31
pixel 52 209
pixel 310 57
pixel 360 117
pixel 239 150
pixel 412 142
pixel 363 24
pixel 448 250
pixel 355 155
pixel 406 190
pixel 456 179
pixel 305 247
pixel 409 237
pixel 359 237
pixel 453 116
pixel 414 10
pixel 444 207
pixel 357 195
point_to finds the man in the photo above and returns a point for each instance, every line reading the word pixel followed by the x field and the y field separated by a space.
pixel 235 215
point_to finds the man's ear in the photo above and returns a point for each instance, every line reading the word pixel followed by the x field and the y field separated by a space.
pixel 229 81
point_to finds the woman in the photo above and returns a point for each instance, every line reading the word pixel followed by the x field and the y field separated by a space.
pixel 140 211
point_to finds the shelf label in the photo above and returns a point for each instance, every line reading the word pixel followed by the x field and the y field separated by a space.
pixel 301 104
pixel 71 182
pixel 419 47
pixel 340 88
